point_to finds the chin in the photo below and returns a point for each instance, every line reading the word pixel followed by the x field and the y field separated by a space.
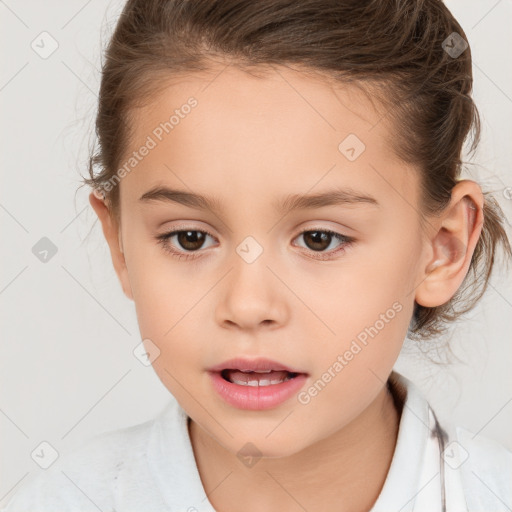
pixel 256 445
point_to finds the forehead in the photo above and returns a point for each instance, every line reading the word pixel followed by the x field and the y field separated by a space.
pixel 263 133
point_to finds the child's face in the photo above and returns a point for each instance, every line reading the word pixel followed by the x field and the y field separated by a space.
pixel 251 142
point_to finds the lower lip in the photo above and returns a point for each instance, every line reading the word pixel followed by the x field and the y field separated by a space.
pixel 256 398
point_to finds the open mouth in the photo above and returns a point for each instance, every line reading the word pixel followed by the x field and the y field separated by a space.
pixel 257 378
pixel 256 384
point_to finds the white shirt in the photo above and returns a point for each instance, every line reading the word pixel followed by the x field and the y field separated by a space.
pixel 151 467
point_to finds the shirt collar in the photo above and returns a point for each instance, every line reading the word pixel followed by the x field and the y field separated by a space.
pixel 413 476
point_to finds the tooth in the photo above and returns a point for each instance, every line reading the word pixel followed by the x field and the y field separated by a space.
pixel 262 382
pixel 255 371
pixel 243 383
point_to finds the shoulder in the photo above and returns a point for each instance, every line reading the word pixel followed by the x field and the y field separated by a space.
pixel 84 478
pixel 484 457
pixel 485 469
pixel 484 450
pixel 475 471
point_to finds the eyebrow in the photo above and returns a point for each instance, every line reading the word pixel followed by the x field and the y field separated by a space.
pixel 335 197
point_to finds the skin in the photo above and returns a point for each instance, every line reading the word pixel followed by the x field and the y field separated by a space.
pixel 279 135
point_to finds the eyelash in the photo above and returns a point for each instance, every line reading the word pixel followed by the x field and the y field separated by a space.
pixel 163 239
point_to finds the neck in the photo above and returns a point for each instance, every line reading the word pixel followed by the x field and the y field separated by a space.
pixel 365 447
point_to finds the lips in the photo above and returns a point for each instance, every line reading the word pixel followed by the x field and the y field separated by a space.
pixel 256 384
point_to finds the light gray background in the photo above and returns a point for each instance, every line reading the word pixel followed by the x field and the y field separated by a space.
pixel 68 371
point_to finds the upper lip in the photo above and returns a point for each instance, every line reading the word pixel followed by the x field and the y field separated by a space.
pixel 240 363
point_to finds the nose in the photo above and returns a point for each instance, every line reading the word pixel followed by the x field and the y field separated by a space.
pixel 251 296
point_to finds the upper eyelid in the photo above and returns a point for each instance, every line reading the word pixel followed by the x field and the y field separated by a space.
pixel 175 230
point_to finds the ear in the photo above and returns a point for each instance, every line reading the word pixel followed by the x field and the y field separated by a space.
pixel 112 233
pixel 450 249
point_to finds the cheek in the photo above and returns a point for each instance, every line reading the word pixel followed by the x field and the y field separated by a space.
pixel 385 269
pixel 167 312
pixel 171 312
pixel 157 290
pixel 369 311
pixel 372 291
pixel 352 366
pixel 170 318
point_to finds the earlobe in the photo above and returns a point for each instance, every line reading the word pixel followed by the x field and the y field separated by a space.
pixel 451 248
pixel 112 233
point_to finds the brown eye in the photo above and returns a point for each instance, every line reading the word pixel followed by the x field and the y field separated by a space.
pixel 190 240
pixel 317 240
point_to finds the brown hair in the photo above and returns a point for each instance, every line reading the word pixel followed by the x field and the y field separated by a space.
pixel 395 49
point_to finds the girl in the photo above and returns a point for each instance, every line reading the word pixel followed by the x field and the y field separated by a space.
pixel 280 190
